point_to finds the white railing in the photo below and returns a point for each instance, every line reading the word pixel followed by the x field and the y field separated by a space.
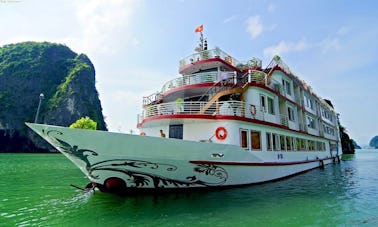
pixel 206 54
pixel 152 98
pixel 190 79
pixel 226 108
pixel 206 77
pixel 198 78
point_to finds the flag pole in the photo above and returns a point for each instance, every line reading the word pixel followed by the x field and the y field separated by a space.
pixel 201 40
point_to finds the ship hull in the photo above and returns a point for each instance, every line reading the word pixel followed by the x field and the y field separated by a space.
pixel 125 163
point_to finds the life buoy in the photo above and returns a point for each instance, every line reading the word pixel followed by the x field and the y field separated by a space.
pixel 221 133
pixel 253 109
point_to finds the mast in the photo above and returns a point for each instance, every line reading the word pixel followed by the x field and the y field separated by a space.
pixel 202 42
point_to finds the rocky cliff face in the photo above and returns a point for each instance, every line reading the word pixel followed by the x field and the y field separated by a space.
pixel 67 81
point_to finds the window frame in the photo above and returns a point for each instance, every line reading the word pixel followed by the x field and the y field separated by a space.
pixel 241 131
pixel 290 113
pixel 263 102
pixel 269 144
pixel 253 140
pixel 270 105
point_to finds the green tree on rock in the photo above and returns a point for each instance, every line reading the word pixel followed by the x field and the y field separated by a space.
pixel 346 143
pixel 84 123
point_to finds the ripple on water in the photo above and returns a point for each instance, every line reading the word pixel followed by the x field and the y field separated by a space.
pixel 339 195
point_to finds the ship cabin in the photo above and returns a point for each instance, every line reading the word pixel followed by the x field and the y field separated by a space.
pixel 219 99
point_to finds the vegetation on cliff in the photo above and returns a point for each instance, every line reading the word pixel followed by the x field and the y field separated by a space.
pixel 67 81
pixel 347 144
pixel 84 123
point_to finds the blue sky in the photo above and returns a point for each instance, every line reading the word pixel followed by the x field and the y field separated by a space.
pixel 136 45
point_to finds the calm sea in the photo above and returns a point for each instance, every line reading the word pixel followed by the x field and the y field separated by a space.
pixel 35 191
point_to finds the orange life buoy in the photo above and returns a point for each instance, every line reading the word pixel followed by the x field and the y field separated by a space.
pixel 253 109
pixel 221 133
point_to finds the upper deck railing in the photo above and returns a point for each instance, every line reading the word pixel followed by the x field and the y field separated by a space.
pixel 206 54
pixel 230 108
pixel 205 77
pixel 218 53
pixel 225 108
pixel 197 78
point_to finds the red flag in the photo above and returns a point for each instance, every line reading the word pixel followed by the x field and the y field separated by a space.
pixel 199 28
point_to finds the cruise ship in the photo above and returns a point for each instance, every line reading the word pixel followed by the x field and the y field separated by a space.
pixel 221 123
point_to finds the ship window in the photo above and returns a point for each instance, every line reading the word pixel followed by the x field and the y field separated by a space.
pixel 270 105
pixel 262 102
pixel 244 138
pixel 269 141
pixel 320 146
pixel 283 143
pixel 286 85
pixel 310 122
pixel 309 102
pixel 333 147
pixel 275 142
pixel 288 143
pixel 310 145
pixel 298 144
pixel 255 140
pixel 303 145
pixel 290 113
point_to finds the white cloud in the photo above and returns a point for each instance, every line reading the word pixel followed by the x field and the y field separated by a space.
pixel 286 47
pixel 271 8
pixel 229 19
pixel 330 44
pixel 343 30
pixel 103 24
pixel 254 26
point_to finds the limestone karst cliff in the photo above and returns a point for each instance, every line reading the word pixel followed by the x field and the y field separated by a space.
pixel 67 81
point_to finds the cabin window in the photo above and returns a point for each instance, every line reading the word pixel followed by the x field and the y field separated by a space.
pixel 310 145
pixel 286 85
pixel 244 138
pixel 303 145
pixel 270 105
pixel 310 122
pixel 255 140
pixel 333 147
pixel 276 146
pixel 290 113
pixel 298 144
pixel 262 103
pixel 309 102
pixel 288 143
pixel 320 146
pixel 283 143
pixel 269 141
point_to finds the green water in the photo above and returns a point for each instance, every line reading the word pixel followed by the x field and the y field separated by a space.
pixel 35 191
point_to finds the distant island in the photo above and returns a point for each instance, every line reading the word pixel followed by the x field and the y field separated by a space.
pixel 374 142
pixel 50 77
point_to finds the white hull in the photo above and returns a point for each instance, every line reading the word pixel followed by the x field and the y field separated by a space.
pixel 144 162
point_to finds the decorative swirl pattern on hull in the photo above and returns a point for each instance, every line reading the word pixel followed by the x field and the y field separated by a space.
pixel 141 173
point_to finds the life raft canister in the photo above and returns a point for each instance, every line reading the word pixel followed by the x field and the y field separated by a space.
pixel 221 133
